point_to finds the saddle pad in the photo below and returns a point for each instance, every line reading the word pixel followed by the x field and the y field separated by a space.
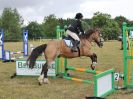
pixel 68 43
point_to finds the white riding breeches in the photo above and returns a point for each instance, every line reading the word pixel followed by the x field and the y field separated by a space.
pixel 73 35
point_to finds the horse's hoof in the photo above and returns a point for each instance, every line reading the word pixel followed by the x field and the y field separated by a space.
pixel 93 67
pixel 46 81
pixel 13 76
pixel 39 84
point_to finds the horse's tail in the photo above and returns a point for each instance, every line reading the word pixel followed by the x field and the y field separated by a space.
pixel 34 55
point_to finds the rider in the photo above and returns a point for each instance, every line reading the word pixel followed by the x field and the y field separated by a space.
pixel 74 30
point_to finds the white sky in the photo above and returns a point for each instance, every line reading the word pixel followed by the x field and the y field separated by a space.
pixel 36 10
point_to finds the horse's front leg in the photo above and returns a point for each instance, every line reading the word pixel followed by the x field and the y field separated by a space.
pixel 93 57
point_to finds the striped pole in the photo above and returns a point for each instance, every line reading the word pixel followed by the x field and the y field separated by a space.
pixel 25 42
pixel 2 45
pixel 78 80
pixel 81 70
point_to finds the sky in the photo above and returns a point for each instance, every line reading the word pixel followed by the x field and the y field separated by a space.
pixel 36 10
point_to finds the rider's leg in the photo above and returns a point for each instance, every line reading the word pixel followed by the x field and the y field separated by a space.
pixel 76 40
pixel 75 45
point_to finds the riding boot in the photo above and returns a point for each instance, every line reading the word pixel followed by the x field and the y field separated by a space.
pixel 75 45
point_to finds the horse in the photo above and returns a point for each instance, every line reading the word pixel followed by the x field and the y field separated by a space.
pixel 58 48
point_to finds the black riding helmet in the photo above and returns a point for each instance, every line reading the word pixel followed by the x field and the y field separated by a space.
pixel 79 16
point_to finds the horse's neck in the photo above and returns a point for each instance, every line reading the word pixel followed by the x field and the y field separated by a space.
pixel 89 39
pixel 85 41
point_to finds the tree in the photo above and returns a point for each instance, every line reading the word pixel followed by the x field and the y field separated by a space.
pixel 11 23
pixel 100 20
pixel 130 23
pixel 120 20
pixel 110 29
pixel 34 30
pixel 49 25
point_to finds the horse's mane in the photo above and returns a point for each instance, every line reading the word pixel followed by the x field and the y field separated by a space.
pixel 88 33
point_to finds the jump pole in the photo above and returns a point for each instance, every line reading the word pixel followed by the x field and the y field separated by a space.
pixel 103 81
pixel 128 56
pixel 60 62
pixel 25 43
pixel 1 44
pixel 5 55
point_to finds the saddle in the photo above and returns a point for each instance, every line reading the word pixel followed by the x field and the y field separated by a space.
pixel 69 41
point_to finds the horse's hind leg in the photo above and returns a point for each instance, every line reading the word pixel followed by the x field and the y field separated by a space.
pixel 46 81
pixel 43 74
pixel 44 77
pixel 49 65
pixel 93 57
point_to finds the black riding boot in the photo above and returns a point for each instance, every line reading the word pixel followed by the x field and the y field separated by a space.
pixel 75 45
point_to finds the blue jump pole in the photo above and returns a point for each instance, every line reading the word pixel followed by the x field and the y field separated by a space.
pixel 25 42
pixel 2 45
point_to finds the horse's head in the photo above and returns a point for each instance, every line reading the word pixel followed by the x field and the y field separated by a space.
pixel 97 37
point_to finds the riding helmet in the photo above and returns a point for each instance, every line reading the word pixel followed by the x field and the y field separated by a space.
pixel 79 16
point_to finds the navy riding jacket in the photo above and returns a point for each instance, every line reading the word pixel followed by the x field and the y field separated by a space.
pixel 76 27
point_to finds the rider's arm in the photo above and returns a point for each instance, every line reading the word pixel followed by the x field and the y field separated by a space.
pixel 80 27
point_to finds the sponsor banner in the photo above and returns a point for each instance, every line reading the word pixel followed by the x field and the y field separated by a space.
pixel 23 70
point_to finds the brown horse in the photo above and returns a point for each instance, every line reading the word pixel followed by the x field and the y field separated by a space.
pixel 56 48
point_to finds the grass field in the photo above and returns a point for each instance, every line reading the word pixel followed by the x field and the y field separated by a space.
pixel 27 87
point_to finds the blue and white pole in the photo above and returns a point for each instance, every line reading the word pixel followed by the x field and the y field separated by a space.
pixel 2 45
pixel 25 42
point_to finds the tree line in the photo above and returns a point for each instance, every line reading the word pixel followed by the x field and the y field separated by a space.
pixel 12 24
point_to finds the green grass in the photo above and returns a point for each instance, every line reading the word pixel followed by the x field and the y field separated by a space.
pixel 27 87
